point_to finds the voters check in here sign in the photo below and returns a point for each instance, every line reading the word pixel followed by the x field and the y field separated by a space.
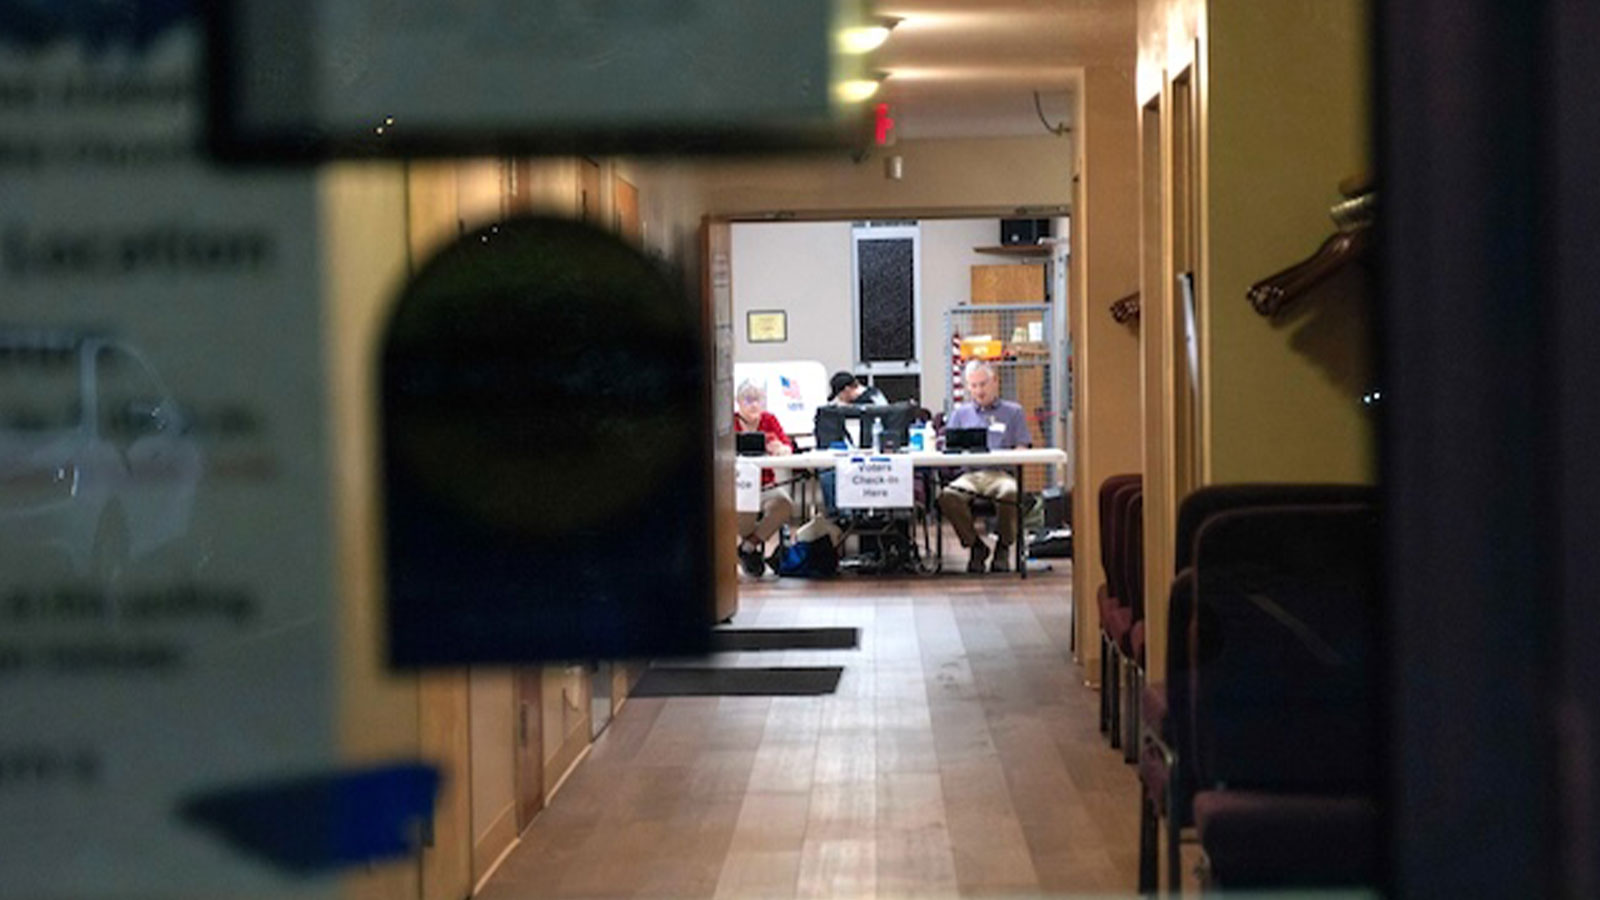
pixel 874 482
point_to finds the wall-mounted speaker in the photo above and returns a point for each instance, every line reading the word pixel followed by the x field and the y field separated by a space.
pixel 1023 231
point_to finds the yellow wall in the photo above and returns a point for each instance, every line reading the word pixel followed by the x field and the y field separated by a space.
pixel 1280 113
pixel 1105 267
pixel 1288 119
pixel 988 174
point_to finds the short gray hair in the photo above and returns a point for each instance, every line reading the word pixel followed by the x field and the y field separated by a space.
pixel 974 366
pixel 748 388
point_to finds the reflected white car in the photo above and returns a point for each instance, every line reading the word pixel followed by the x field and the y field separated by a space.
pixel 97 469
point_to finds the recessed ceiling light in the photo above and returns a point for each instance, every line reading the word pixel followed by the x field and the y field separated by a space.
pixel 860 39
pixel 856 90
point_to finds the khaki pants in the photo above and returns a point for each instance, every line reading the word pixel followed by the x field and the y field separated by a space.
pixel 776 508
pixel 955 503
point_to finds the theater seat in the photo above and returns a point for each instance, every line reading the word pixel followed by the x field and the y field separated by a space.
pixel 1165 774
pixel 1255 839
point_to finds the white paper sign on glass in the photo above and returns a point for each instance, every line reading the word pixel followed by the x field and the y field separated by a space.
pixel 874 482
pixel 164 439
pixel 747 487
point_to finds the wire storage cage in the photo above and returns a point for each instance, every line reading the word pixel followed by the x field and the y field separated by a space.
pixel 1016 339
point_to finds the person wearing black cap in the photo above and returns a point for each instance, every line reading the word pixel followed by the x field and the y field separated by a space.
pixel 843 383
pixel 845 388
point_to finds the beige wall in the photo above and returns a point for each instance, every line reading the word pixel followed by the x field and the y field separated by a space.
pixel 803 268
pixel 364 241
pixel 1105 267
pixel 947 260
pixel 994 175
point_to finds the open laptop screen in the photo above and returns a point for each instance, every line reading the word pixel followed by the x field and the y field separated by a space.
pixel 969 440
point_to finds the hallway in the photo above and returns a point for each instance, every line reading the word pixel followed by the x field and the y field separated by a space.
pixel 959 756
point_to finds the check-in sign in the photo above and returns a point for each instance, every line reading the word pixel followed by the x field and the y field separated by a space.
pixel 747 487
pixel 874 482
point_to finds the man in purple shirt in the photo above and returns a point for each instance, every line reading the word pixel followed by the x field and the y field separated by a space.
pixel 1008 428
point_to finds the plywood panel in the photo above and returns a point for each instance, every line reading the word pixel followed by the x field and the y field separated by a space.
pixel 1009 283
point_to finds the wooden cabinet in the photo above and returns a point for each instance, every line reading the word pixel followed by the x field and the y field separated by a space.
pixel 1009 283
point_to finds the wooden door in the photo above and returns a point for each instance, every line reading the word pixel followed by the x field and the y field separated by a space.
pixel 716 238
pixel 625 206
pixel 530 745
pixel 589 192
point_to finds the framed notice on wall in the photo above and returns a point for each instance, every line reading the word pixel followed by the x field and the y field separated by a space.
pixel 767 326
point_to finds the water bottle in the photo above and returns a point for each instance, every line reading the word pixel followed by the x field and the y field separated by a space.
pixel 877 435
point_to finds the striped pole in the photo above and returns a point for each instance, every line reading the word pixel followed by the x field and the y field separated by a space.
pixel 958 391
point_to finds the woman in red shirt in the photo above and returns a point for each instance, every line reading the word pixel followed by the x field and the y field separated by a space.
pixel 750 414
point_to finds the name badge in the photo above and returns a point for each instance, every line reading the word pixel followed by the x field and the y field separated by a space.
pixel 997 427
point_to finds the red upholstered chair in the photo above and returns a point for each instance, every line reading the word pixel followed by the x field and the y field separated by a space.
pixel 1283 696
pixel 1115 493
pixel 1168 786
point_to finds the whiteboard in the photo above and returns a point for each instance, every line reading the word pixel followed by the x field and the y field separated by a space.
pixel 794 390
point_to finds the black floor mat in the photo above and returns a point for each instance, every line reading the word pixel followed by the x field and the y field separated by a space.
pixel 730 640
pixel 700 681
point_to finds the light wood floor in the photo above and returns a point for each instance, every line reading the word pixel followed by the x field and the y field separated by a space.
pixel 960 756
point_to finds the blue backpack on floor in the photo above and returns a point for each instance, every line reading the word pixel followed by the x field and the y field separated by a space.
pixel 810 559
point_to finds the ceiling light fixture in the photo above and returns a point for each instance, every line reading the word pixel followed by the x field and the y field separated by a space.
pixel 858 90
pixel 859 39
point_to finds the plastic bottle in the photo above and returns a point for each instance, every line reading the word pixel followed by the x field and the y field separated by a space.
pixel 877 435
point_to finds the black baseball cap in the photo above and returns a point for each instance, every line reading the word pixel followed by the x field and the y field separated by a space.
pixel 839 382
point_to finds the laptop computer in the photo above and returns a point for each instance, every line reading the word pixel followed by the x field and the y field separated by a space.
pixel 966 440
pixel 751 443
